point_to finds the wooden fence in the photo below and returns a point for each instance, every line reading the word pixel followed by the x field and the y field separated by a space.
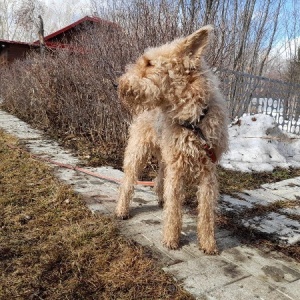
pixel 249 94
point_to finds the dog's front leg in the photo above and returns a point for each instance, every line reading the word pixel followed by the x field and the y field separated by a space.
pixel 135 158
pixel 207 194
pixel 173 196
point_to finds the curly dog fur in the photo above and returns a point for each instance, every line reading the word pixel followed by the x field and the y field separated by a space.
pixel 167 87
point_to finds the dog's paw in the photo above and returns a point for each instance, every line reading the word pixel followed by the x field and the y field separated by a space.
pixel 161 204
pixel 122 216
pixel 126 217
pixel 210 250
pixel 171 245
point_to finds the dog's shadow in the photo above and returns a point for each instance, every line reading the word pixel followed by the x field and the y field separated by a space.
pixel 225 238
pixel 135 211
pixel 142 206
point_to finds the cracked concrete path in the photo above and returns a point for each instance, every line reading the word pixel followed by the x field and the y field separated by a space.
pixel 239 272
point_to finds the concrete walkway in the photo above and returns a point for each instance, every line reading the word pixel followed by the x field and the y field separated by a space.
pixel 239 272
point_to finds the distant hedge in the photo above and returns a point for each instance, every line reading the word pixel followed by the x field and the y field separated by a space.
pixel 73 93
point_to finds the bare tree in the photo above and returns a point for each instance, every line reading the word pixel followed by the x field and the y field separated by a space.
pixel 18 19
pixel 41 35
pixel 292 71
pixel 290 48
pixel 245 30
pixel 7 28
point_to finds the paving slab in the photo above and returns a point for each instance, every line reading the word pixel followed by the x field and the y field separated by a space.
pixel 261 265
pixel 292 182
pixel 249 288
pixel 292 290
pixel 277 225
pixel 287 189
pixel 239 272
pixel 229 203
pixel 291 210
pixel 205 273
pixel 260 196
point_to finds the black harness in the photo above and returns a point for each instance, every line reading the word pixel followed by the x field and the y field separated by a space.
pixel 196 129
pixel 198 132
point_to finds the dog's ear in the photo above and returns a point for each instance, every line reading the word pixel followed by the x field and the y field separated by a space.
pixel 194 44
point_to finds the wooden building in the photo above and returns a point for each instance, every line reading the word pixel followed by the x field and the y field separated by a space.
pixel 12 50
pixel 60 39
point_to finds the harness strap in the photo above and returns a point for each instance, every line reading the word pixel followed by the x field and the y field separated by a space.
pixel 198 132
pixel 210 153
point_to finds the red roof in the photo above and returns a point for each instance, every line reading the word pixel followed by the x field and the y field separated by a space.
pixel 56 45
pixel 73 25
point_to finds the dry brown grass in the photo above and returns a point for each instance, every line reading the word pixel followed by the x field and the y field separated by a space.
pixel 234 181
pixel 53 247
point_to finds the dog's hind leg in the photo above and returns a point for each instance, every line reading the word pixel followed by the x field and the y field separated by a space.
pixel 136 155
pixel 159 183
pixel 173 196
pixel 207 194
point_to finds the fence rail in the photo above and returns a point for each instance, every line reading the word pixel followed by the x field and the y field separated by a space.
pixel 249 94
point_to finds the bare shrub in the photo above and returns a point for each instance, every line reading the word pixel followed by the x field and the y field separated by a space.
pixel 73 93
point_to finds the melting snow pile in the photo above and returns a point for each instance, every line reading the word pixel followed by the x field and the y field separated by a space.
pixel 257 144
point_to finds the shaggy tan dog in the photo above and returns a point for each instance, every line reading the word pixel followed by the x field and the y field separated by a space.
pixel 181 118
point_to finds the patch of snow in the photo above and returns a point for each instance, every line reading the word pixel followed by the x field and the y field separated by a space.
pixel 257 144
